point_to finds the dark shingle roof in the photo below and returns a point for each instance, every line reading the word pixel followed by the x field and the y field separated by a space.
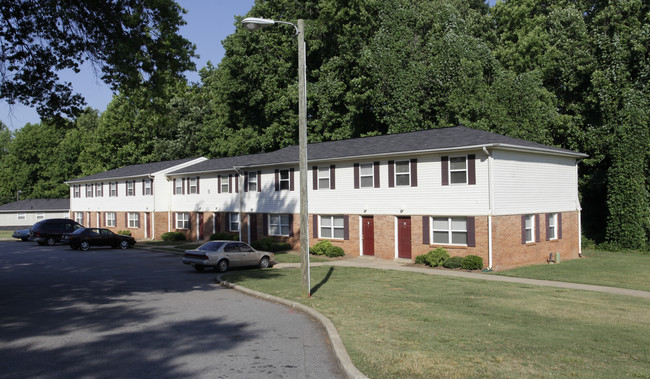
pixel 132 171
pixel 33 205
pixel 443 139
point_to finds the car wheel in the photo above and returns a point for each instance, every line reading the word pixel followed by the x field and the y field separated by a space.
pixel 24 239
pixel 264 262
pixel 222 266
pixel 199 268
pixel 124 245
pixel 51 241
pixel 84 246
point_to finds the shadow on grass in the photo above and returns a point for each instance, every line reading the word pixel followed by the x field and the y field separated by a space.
pixel 322 282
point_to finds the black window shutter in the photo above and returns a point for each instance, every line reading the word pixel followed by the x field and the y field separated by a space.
pixel 265 224
pixel 198 189
pixel 245 181
pixel 559 225
pixel 315 226
pixel 471 169
pixel 219 184
pixel 425 230
pixel 391 174
pixel 376 164
pixel 237 183
pixel 332 177
pixel 346 227
pixel 523 229
pixel 356 175
pixel 537 228
pixel 471 231
pixel 291 182
pixel 414 172
pixel 277 180
pixel 290 225
pixel 259 181
pixel 142 187
pixel 151 181
pixel 314 174
pixel 229 183
pixel 548 227
pixel 183 187
pixel 444 170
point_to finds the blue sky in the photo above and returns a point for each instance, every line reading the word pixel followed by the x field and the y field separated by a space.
pixel 208 23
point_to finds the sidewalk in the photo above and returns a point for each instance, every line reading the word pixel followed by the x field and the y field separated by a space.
pixel 384 264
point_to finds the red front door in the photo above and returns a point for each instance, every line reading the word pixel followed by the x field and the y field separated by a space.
pixel 368 235
pixel 404 237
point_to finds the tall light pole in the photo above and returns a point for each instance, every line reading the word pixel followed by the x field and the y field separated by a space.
pixel 254 23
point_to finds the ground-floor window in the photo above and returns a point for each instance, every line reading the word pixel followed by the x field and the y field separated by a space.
pixel 552 226
pixel 134 220
pixel 529 228
pixel 279 225
pixel 109 219
pixel 233 222
pixel 79 217
pixel 182 220
pixel 449 230
pixel 332 227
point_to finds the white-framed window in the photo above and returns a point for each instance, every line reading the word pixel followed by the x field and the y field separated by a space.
pixel 178 186
pixel 233 222
pixel 332 227
pixel 324 177
pixel 529 228
pixel 22 216
pixel 225 184
pixel 285 180
pixel 112 189
pixel 99 190
pixel 252 181
pixel 110 219
pixel 182 220
pixel 279 225
pixel 147 187
pixel 458 170
pixel 89 190
pixel 76 191
pixel 40 215
pixel 449 230
pixel 130 188
pixel 552 226
pixel 194 186
pixel 403 173
pixel 134 220
pixel 79 217
pixel 367 175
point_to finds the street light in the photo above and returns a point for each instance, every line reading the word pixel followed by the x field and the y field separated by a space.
pixel 254 23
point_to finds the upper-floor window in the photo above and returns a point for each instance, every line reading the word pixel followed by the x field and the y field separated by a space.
pixel 458 170
pixel 178 186
pixel 76 191
pixel 99 189
pixel 332 227
pixel 285 180
pixel 147 189
pixel 194 185
pixel 40 215
pixel 112 189
pixel 89 190
pixel 449 230
pixel 224 184
pixel 323 177
pixel 130 188
pixel 366 175
pixel 252 181
pixel 182 220
pixel 403 173
pixel 22 216
pixel 279 225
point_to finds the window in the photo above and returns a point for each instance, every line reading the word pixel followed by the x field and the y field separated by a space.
pixel 529 228
pixel 99 190
pixel 112 189
pixel 110 219
pixel 225 184
pixel 194 186
pixel 279 225
pixel 146 189
pixel 79 217
pixel 40 215
pixel 233 222
pixel 252 181
pixel 182 220
pixel 403 173
pixel 552 227
pixel 76 191
pixel 22 216
pixel 332 227
pixel 89 190
pixel 284 180
pixel 178 187
pixel 134 220
pixel 366 175
pixel 458 170
pixel 130 188
pixel 449 230
pixel 324 177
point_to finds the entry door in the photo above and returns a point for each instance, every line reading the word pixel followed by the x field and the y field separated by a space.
pixel 201 226
pixel 252 218
pixel 147 225
pixel 368 235
pixel 404 237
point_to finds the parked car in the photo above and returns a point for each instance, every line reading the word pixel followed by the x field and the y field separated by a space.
pixel 51 230
pixel 224 254
pixel 22 234
pixel 84 238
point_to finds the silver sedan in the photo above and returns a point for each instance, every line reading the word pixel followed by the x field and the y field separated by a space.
pixel 224 254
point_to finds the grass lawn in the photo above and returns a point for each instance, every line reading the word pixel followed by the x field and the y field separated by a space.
pixel 6 235
pixel 402 324
pixel 624 270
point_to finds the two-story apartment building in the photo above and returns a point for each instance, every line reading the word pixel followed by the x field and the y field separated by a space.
pixel 509 201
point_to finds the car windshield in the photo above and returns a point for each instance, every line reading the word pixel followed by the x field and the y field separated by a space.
pixel 210 246
pixel 79 231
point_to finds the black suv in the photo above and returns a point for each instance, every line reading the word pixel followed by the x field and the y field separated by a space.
pixel 50 231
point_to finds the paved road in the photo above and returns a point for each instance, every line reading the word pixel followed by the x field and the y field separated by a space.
pixel 113 313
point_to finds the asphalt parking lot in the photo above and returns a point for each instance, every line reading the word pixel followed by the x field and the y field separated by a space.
pixel 135 313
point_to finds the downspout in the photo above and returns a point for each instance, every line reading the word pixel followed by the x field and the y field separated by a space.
pixel 579 209
pixel 491 205
pixel 153 211
pixel 241 202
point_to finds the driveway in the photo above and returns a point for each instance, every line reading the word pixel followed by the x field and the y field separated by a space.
pixel 134 313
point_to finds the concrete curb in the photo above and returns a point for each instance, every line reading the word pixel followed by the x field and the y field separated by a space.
pixel 342 357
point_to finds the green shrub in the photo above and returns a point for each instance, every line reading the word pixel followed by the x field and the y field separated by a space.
pixel 173 236
pixel 224 236
pixel 124 232
pixel 433 258
pixel 453 262
pixel 422 259
pixel 327 249
pixel 269 244
pixel 472 262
